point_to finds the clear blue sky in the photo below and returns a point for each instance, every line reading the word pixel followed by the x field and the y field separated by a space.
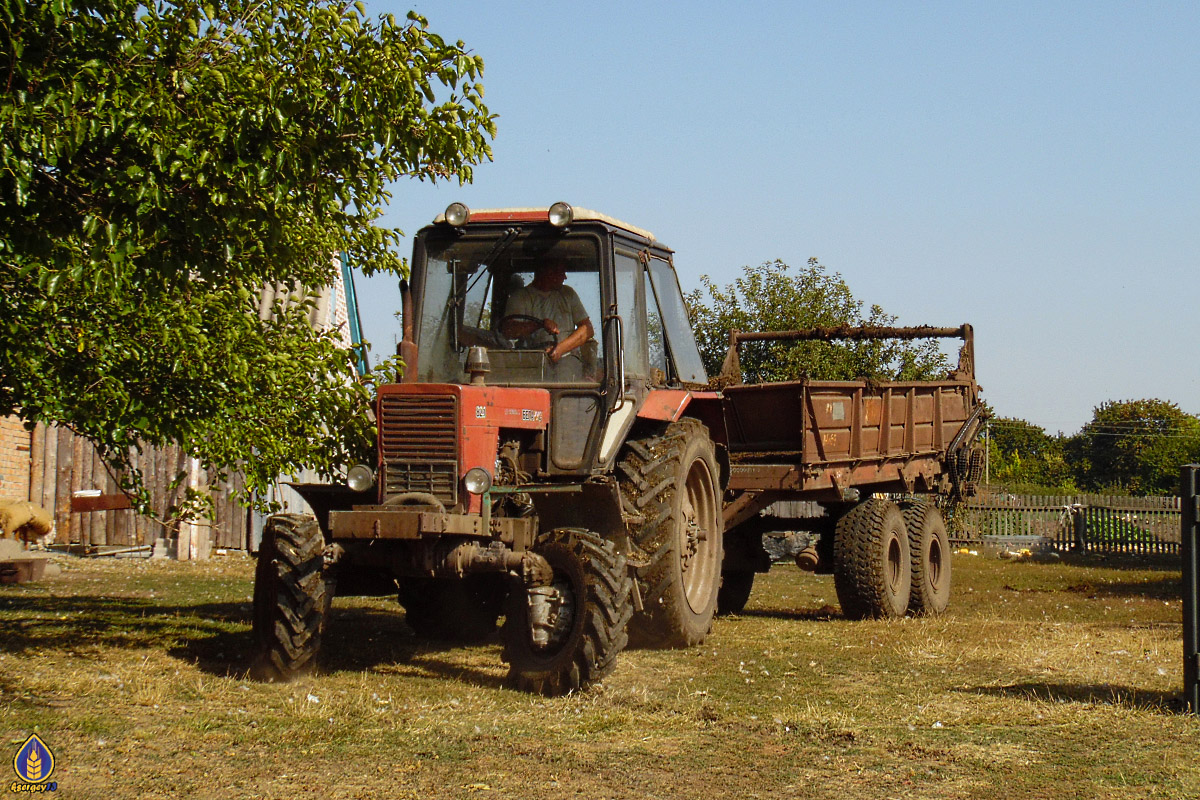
pixel 1030 168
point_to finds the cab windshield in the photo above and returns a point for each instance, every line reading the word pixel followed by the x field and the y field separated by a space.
pixel 520 294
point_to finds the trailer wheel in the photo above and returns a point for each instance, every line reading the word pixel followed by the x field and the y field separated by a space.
pixel 929 546
pixel 589 601
pixel 291 597
pixel 671 480
pixel 735 591
pixel 872 570
pixel 464 610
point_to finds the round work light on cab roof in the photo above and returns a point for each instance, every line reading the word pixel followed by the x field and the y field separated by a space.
pixel 561 215
pixel 457 214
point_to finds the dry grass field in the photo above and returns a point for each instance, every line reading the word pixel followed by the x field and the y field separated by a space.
pixel 1044 680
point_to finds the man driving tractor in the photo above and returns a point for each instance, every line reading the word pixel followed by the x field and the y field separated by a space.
pixel 545 308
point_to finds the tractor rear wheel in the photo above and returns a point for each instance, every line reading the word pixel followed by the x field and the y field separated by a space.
pixel 291 597
pixel 464 610
pixel 929 546
pixel 572 638
pixel 672 481
pixel 872 570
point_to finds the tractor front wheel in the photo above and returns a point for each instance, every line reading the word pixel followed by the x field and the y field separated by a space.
pixel 563 637
pixel 291 597
pixel 735 591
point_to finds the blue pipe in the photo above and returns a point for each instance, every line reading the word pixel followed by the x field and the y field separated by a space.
pixel 355 320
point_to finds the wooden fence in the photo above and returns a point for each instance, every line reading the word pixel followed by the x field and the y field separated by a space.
pixel 1093 523
pixel 68 478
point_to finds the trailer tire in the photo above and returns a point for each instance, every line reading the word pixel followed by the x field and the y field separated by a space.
pixel 292 597
pixel 460 610
pixel 929 547
pixel 671 480
pixel 590 629
pixel 872 569
pixel 735 591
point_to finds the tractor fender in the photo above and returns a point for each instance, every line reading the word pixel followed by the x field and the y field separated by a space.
pixel 666 405
pixel 669 405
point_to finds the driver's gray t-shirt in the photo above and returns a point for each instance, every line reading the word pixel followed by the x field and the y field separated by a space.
pixel 561 305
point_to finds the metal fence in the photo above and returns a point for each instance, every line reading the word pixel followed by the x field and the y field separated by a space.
pixel 1092 523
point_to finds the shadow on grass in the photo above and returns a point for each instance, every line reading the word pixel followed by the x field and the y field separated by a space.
pixel 1148 562
pixel 1164 587
pixel 821 614
pixel 216 637
pixel 360 639
pixel 37 622
pixel 1158 587
pixel 1101 694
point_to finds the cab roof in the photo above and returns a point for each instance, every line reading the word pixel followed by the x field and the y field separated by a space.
pixel 542 214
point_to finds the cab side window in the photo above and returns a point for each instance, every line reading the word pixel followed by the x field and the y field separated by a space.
pixel 633 316
pixel 656 337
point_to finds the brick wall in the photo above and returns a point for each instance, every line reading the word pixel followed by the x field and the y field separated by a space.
pixel 14 459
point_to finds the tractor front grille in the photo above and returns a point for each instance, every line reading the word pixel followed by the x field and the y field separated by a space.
pixel 418 439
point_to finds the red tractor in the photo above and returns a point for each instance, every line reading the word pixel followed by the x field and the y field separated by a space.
pixel 555 457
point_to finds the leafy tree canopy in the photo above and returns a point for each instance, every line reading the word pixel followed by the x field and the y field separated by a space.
pixel 776 297
pixel 1023 455
pixel 1136 446
pixel 159 162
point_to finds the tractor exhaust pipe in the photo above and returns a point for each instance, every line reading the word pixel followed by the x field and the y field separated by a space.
pixel 407 349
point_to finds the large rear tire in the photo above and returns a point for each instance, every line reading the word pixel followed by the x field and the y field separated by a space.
pixel 591 605
pixel 463 610
pixel 671 480
pixel 929 547
pixel 872 568
pixel 291 597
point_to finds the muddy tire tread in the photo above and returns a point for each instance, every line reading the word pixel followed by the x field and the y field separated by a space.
pixel 591 653
pixel 291 597
pixel 649 473
pixel 922 518
pixel 859 572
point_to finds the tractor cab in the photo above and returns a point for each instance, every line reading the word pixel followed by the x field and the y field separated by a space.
pixel 562 299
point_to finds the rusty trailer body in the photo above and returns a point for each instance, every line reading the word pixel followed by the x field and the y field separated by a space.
pixel 841 444
pixel 834 441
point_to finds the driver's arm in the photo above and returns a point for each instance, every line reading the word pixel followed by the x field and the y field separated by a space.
pixel 583 331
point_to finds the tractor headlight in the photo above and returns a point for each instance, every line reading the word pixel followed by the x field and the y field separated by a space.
pixel 457 214
pixel 561 215
pixel 360 477
pixel 477 480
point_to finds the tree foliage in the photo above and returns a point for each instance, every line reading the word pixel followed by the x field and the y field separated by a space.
pixel 1136 446
pixel 161 161
pixel 1022 454
pixel 776 297
pixel 1129 447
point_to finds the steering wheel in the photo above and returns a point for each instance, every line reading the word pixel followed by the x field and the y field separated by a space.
pixel 527 318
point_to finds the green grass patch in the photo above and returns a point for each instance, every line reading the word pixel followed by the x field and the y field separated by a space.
pixel 1044 680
